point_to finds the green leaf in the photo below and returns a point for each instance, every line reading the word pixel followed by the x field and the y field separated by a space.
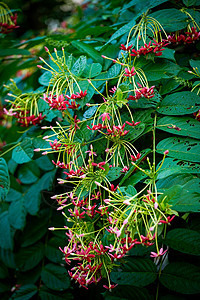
pixel 168 54
pixel 55 277
pixel 25 292
pixel 171 19
pixel 195 64
pixel 142 4
pixel 52 252
pixel 79 66
pixel 187 126
pixel 44 163
pixel 186 201
pixel 184 190
pixel 7 256
pixel 29 257
pixel 45 78
pixel 189 2
pixel 4 179
pixel 24 152
pixel 33 194
pixel 92 70
pixel 47 294
pixel 94 54
pixel 124 29
pixel 163 69
pixel 122 292
pixel 29 173
pixel 114 173
pixel 3 271
pixel 13 51
pixel 138 272
pixel 181 277
pixel 90 112
pixel 181 148
pixel 173 166
pixel 35 229
pixel 6 239
pixel 17 213
pixel 184 240
pixel 168 85
pixel 180 103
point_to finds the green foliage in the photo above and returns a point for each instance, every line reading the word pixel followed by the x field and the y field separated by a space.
pixel 4 179
pixel 55 277
pixel 184 240
pixel 138 272
pixel 181 277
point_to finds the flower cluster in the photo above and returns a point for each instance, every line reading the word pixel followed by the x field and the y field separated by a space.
pixel 25 108
pixel 142 92
pixel 188 37
pixel 8 21
pixel 59 102
pixel 103 221
pixel 156 48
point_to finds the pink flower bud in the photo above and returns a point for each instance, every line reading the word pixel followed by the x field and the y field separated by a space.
pixel 39 66
pixel 37 150
pixel 107 201
pixel 60 207
pixel 166 152
pixel 155 205
pixel 44 153
pixel 46 49
pixel 51 228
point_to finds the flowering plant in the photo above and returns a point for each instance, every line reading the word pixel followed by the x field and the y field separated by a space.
pixel 104 153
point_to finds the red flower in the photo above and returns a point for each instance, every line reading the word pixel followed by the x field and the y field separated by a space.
pixel 130 73
pixel 125 48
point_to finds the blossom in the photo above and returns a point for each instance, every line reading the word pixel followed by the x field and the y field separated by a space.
pixel 110 287
pixel 99 165
pixel 105 116
pixel 91 152
pixel 126 48
pixel 55 145
pixel 161 252
pixel 169 219
pixel 10 25
pixel 125 169
pixel 133 123
pixel 129 73
pixel 135 158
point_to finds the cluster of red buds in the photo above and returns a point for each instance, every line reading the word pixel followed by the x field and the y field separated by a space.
pixel 143 92
pixel 59 102
pixel 156 48
pixel 188 37
pixel 24 118
pixel 116 131
pixel 9 26
pixel 28 120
